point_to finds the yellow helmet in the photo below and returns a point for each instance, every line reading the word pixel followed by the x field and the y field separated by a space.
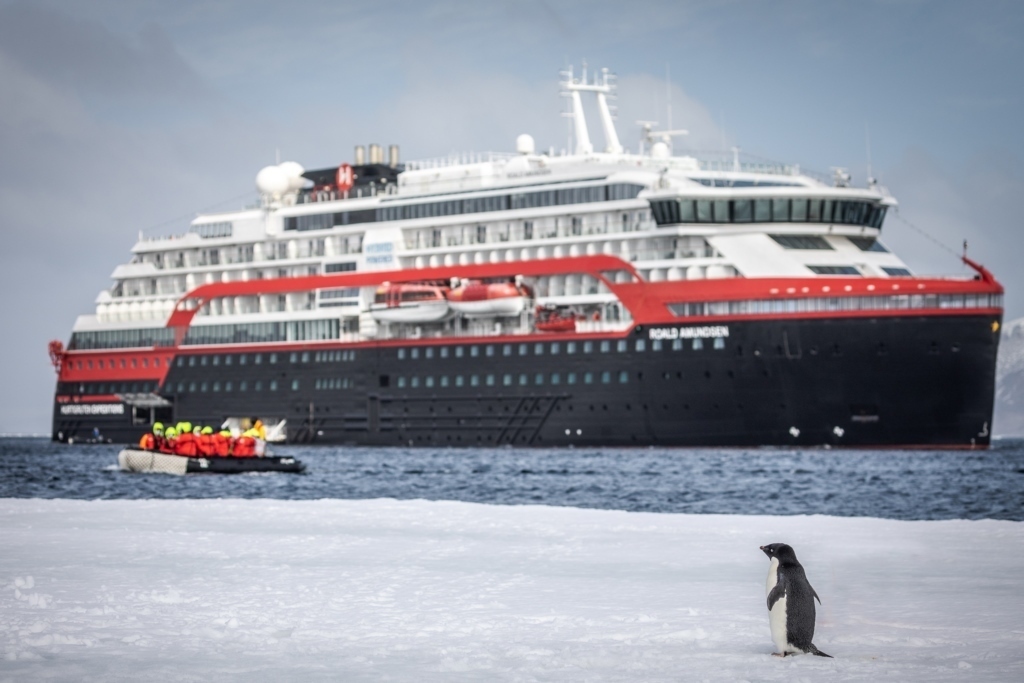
pixel 207 430
pixel 158 425
pixel 225 432
pixel 171 431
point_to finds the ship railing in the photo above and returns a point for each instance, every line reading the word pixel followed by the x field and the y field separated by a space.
pixel 458 159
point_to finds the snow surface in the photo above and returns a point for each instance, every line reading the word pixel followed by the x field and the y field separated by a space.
pixel 263 590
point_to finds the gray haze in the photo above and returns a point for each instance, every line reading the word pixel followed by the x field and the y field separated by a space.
pixel 118 117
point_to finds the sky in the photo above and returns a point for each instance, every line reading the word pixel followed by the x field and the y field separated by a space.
pixel 118 117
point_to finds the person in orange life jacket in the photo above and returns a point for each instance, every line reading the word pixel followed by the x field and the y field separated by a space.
pixel 245 447
pixel 170 441
pixel 204 442
pixel 186 441
pixel 222 443
pixel 148 440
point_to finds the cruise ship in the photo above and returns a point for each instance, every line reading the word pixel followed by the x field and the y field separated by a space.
pixel 591 297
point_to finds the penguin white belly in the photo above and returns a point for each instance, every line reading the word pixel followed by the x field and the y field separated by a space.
pixel 777 622
pixel 773 576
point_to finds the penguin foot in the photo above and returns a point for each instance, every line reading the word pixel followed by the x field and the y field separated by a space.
pixel 780 654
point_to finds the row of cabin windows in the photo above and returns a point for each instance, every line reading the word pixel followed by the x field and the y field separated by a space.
pixel 885 302
pixel 101 364
pixel 272 358
pixel 551 348
pixel 105 388
pixel 522 379
pixel 118 339
pixel 779 210
pixel 228 386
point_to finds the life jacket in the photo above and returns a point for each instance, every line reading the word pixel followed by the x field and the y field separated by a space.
pixel 205 445
pixel 245 447
pixel 221 444
pixel 186 445
pixel 147 442
pixel 169 446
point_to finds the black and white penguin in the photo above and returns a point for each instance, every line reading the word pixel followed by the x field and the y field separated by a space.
pixel 790 603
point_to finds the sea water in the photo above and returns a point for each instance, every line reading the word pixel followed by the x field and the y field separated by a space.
pixel 910 485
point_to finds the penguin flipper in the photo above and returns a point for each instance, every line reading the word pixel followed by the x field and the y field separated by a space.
pixel 815 594
pixel 778 592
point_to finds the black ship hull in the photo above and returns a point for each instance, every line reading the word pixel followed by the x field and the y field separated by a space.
pixel 887 381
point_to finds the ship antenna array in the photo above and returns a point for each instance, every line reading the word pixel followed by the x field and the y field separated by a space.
pixel 603 86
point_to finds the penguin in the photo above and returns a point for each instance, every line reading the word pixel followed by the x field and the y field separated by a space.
pixel 790 603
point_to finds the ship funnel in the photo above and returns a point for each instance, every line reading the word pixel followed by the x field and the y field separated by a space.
pixel 360 156
pixel 393 156
pixel 376 154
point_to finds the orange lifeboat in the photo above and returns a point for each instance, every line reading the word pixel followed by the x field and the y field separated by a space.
pixel 476 299
pixel 409 303
pixel 554 319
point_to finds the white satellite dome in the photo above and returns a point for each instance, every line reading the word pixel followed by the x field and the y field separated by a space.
pixel 293 170
pixel 272 180
pixel 524 144
pixel 659 150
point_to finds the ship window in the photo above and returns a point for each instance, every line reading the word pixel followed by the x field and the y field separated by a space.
pixel 414 382
pixel 489 350
pixel 273 358
pixel 606 346
pixel 556 378
pixel 623 377
pixel 400 382
pixel 826 211
pixel 243 385
pixel 523 379
pixel 814 211
pixel 868 244
pixel 762 210
pixel 191 362
pixel 295 385
pixel 622 345
pixel 554 348
pixel 258 386
pixel 588 347
pixel 570 347
pixel 474 351
pixel 414 353
pixel 656 345
pixel 474 380
pixel 742 211
pixel 703 211
pixel 780 210
pixel 216 360
pixel 458 352
pixel 698 344
pixel 99 363
pixel 273 385
pixel 606 377
pixel 135 363
pixel 227 386
pixel 181 387
pixel 588 378
pixel 799 212
pixel 524 349
pixel 677 344
pixel 401 354
pixel 538 349
pixel 305 357
pixel 203 387
pixel 507 380
pixel 156 362
pixel 428 381
pixel 489 380
pixel 721 210
pixel 292 358
pixel 202 361
pixel 641 345
pixel 459 380
pixel 686 212
pixel 506 350
pixel 216 387
pixel 444 380
pixel 242 359
pixel 802 242
pixel 896 272
pixel 570 378
pixel 538 379
pixel 443 351
pixel 719 343
pixel 428 352
pixel 228 360
pixel 834 270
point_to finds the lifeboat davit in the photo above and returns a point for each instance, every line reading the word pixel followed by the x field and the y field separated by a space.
pixel 409 303
pixel 475 299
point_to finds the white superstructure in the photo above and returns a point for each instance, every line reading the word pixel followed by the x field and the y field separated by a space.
pixel 674 217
